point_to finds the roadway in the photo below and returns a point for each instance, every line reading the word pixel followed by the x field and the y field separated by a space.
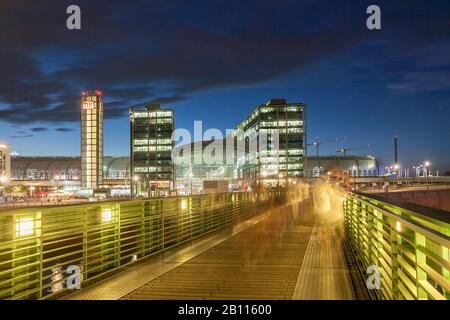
pixel 289 252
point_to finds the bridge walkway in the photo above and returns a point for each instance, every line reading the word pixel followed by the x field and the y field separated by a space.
pixel 281 254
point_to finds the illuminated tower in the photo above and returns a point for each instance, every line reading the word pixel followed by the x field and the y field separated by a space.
pixel 91 140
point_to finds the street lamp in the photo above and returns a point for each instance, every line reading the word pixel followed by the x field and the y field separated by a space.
pixel 191 175
pixel 427 165
pixel 57 188
pixel 135 179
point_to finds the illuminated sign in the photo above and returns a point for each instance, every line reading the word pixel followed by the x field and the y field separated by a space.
pixel 88 105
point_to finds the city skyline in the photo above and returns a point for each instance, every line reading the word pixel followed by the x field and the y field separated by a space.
pixel 216 67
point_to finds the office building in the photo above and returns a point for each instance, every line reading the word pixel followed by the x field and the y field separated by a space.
pixel 91 140
pixel 274 161
pixel 151 146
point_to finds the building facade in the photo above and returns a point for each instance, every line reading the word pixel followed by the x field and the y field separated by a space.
pixel 151 146
pixel 5 163
pixel 91 140
pixel 280 132
pixel 193 170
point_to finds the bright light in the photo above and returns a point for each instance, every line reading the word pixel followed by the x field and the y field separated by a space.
pixel 280 175
pixel 3 178
pixel 354 167
pixel 264 173
pixel 398 226
pixel 107 215
pixel 57 177
pixel 183 204
pixel 329 173
pixel 427 163
pixel 24 227
pixel 191 175
pixel 135 178
pixel 2 146
pixel 396 167
pixel 88 105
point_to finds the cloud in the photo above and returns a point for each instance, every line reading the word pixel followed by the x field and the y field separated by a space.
pixel 64 129
pixel 39 129
pixel 21 136
pixel 182 49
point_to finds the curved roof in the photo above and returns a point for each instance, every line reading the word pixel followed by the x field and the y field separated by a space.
pixel 56 164
pixel 346 163
pixel 115 164
pixel 64 164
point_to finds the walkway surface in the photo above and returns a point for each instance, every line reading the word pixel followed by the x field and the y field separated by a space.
pixel 276 255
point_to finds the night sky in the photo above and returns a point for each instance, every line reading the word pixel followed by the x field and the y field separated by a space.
pixel 217 60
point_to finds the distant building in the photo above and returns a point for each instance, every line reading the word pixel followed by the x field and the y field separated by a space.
pixel 91 140
pixel 40 172
pixel 193 172
pixel 151 145
pixel 269 163
pixel 358 166
pixel 5 163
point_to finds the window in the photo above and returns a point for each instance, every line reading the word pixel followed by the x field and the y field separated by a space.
pixel 267 110
pixel 140 114
pixel 107 215
pixel 24 227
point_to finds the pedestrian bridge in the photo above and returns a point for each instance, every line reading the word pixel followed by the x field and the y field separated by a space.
pixel 313 242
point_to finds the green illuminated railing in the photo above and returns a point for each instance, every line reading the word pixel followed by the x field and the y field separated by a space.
pixel 38 245
pixel 411 250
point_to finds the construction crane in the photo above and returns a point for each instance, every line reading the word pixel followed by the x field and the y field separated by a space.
pixel 345 150
pixel 317 143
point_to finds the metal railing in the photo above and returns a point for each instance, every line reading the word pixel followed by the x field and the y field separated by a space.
pixel 410 250
pixel 39 247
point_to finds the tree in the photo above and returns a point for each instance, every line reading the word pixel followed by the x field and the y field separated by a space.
pixel 447 173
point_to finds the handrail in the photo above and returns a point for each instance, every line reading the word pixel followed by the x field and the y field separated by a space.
pixel 409 249
pixel 38 245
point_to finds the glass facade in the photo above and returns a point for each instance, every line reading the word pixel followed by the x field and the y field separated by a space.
pixel 191 173
pixel 281 159
pixel 151 151
pixel 91 140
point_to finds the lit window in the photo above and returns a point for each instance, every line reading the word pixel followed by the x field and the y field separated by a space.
pixel 24 227
pixel 107 215
pixel 398 226
pixel 183 204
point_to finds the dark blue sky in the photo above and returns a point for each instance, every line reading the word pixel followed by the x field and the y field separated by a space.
pixel 216 60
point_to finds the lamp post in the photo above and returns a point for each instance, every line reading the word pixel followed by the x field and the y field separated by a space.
pixel 191 175
pixel 354 177
pixel 427 166
pixel 135 181
pixel 57 189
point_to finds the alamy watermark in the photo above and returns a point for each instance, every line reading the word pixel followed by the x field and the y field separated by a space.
pixel 373 281
pixel 374 20
pixel 73 21
pixel 238 146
